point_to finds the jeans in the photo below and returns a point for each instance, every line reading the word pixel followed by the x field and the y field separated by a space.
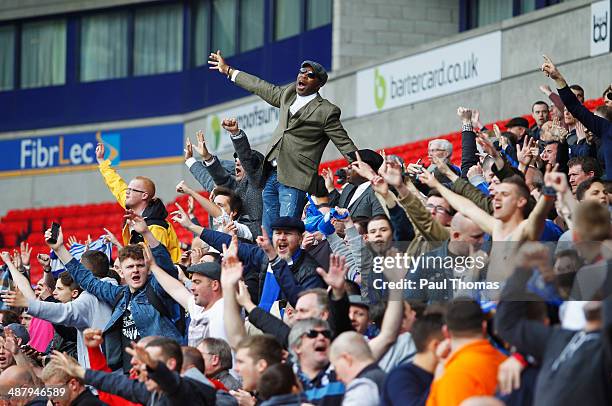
pixel 280 201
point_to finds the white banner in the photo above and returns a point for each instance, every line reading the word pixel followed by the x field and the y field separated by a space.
pixel 257 119
pixel 438 72
pixel 599 33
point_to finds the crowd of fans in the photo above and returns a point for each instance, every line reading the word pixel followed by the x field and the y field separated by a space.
pixel 484 284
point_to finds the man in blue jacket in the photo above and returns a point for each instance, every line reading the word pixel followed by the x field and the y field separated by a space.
pixel 141 307
pixel 280 265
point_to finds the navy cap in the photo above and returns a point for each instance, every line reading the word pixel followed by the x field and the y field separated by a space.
pixel 211 270
pixel 288 223
pixel 372 158
pixel 20 332
pixel 517 122
pixel 318 70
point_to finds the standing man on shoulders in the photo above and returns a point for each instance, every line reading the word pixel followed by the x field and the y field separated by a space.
pixel 307 123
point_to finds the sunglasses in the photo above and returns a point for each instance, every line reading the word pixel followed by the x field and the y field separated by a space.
pixel 304 71
pixel 315 333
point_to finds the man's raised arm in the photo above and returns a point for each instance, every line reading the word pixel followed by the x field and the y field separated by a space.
pixel 464 206
pixel 114 182
pixel 82 276
pixel 267 91
pixel 231 273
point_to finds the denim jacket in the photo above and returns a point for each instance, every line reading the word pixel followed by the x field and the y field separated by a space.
pixel 149 321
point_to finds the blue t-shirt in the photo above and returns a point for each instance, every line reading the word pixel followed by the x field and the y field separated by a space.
pixel 406 385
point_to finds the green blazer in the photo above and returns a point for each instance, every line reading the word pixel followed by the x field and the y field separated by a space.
pixel 298 142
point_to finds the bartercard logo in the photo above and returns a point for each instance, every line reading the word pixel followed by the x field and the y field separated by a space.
pixel 215 126
pixel 380 90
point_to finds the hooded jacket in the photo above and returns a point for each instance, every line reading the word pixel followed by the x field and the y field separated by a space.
pixel 155 214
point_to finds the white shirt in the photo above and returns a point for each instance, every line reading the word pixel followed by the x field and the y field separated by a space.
pixel 300 102
pixel 205 323
pixel 358 192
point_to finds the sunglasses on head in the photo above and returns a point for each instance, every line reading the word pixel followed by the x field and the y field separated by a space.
pixel 315 333
pixel 308 73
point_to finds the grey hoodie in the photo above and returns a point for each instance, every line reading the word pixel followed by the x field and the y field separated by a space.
pixel 83 312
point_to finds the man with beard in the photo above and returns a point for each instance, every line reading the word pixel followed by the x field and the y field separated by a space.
pixel 283 260
pixel 139 196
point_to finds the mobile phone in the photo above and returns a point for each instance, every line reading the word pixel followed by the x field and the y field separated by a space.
pixel 54 233
pixel 419 163
pixel 609 95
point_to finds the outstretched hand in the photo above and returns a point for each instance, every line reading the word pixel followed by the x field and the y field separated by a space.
pixel 60 239
pixel 100 152
pixel 139 352
pixel 231 267
pixel 68 364
pixel 136 222
pixel 263 241
pixel 550 70
pixel 391 172
pixel 217 62
pixel 180 216
pixel 336 275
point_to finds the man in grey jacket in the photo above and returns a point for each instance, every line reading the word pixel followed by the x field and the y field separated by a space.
pixel 247 181
pixel 83 312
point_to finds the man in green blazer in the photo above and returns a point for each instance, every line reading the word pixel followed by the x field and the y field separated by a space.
pixel 306 124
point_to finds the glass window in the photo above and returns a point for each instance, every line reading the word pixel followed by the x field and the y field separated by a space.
pixel 287 18
pixel 251 24
pixel 43 53
pixel 527 6
pixel 224 26
pixel 200 33
pixel 104 47
pixel 319 13
pixel 490 11
pixel 7 57
pixel 158 40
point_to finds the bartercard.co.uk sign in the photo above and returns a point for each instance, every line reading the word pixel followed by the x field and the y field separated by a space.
pixel 452 68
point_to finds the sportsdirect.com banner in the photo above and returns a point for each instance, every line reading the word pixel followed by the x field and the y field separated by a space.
pixel 463 65
pixel 63 153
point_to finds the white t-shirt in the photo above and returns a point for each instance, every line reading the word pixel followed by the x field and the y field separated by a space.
pixel 205 323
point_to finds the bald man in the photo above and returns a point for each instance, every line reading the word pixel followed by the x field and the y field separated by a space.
pixel 139 196
pixel 18 376
pixel 356 368
pixel 465 239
